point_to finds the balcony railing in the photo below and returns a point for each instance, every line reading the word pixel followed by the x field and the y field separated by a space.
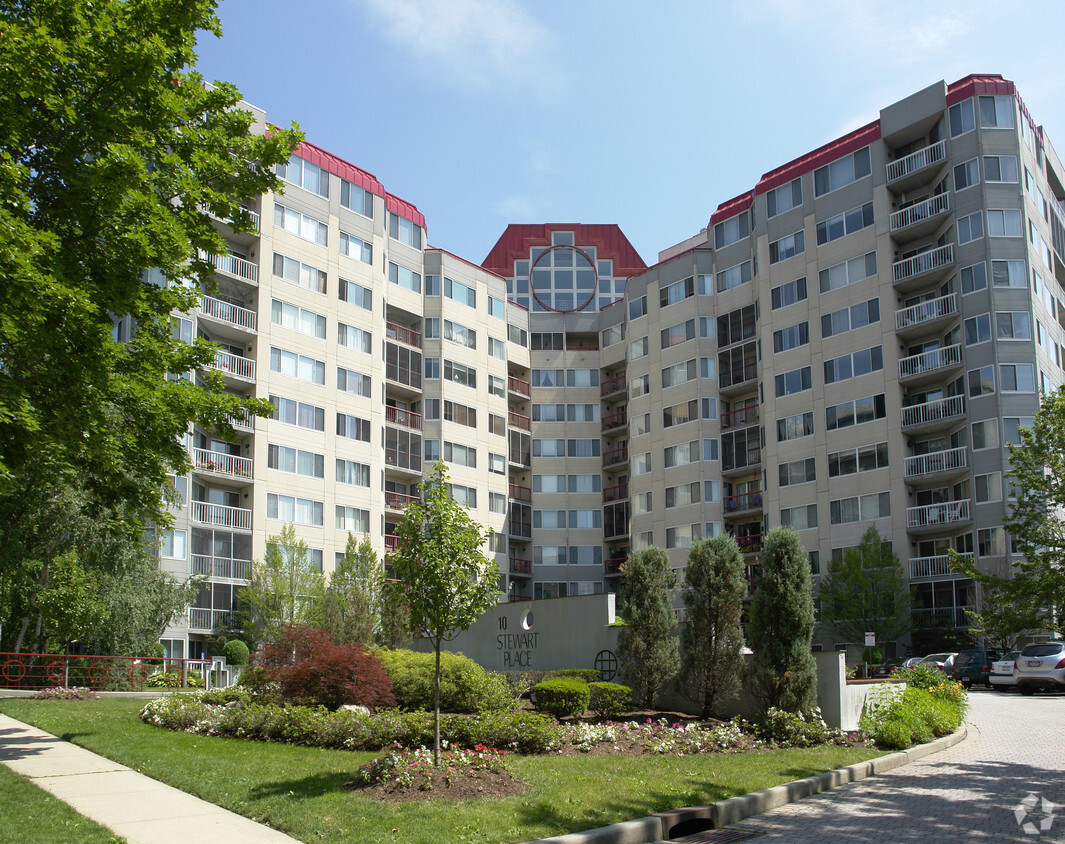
pixel 201 619
pixel 740 417
pixel 614 421
pixel 406 460
pixel 520 457
pixel 923 262
pixel 403 375
pixel 517 420
pixel 616 493
pixel 520 566
pixel 229 222
pixel 391 543
pixel 613 565
pixel 916 161
pixel 231 265
pixel 403 334
pixel 932 412
pixel 925 568
pixel 919 212
pixel 933 515
pixel 518 492
pixel 226 312
pixel 219 515
pixel 398 500
pixel 612 386
pixel 223 464
pixel 519 528
pixel 743 502
pixel 403 418
pixel 737 376
pixel 741 459
pixel 930 361
pixel 925 312
pixel 941 617
pixel 937 462
pixel 242 421
pixel 225 567
pixel 751 543
pixel 615 456
pixel 234 366
pixel 518 386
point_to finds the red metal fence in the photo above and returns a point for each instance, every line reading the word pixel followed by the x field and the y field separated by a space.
pixel 102 673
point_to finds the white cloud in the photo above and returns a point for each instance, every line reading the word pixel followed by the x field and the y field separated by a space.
pixel 518 207
pixel 476 44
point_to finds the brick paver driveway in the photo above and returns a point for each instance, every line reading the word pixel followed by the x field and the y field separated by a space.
pixel 1016 747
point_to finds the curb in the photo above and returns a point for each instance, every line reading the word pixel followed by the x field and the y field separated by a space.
pixel 659 827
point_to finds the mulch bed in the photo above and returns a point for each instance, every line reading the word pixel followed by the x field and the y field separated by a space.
pixel 432 785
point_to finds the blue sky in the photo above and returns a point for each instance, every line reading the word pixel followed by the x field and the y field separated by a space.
pixel 488 112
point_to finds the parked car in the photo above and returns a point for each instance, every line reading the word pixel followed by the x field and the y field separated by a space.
pixel 944 662
pixel 1040 666
pixel 911 662
pixel 1002 672
pixel 888 668
pixel 974 666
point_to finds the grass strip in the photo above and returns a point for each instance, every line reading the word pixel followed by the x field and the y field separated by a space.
pixel 299 790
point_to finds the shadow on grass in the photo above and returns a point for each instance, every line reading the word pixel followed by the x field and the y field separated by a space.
pixel 305 788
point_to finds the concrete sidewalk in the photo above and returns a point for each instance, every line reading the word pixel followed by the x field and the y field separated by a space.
pixel 130 804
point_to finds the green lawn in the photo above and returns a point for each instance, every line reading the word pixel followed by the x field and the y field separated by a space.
pixel 39 818
pixel 298 789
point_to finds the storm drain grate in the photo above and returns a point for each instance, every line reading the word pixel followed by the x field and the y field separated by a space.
pixel 716 836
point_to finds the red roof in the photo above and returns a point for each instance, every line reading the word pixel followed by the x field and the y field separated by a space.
pixel 463 260
pixel 608 239
pixel 819 157
pixel 978 83
pixel 732 207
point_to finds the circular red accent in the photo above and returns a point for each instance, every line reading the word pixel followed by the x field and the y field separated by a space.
pixel 591 263
pixel 17 663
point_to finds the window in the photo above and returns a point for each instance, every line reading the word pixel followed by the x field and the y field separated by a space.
pixel 497 308
pixel 550 555
pixel 1005 223
pixel 586 555
pixel 676 292
pixel 497 502
pixel 297 366
pixel 981 381
pixel 460 292
pixel 961 118
pixel 734 276
pixel 848 272
pixel 297 319
pixel 549 413
pixel 854 365
pixel 855 412
pixel 582 412
pixel 404 230
pixel 866 458
pixel 680 414
pixel 352 519
pixel 641 463
pixel 638 348
pixel 677 334
pixel 862 508
pixel 287 508
pixel 549 448
pixel 351 337
pixel 497 349
pixel 970 228
pixel 295 461
pixel 547 341
pixel 974 278
pixel 639 386
pixel 681 455
pixel 795 427
pixel 582 377
pixel 789 294
pixel 352 473
pixel 784 198
pixel 680 373
pixel 991 542
pixel 460 414
pixel 988 487
pixel 548 377
pixel 460 334
pixel 432 451
pixel 355 294
pixel 844 224
pixel 407 279
pixel 841 172
pixel 299 273
pixel 1001 168
pixel 794 381
pixel 708 369
pixel 518 336
pixel 583 447
pixel 1017 377
pixel 711 493
pixel 432 369
pixel 172 544
pixel 967 174
pixel 356 198
pixel 683 536
pixel 584 483
pixel 497 425
pixel 799 518
pixel 300 225
pixel 682 495
pixel 550 519
pixel 797 472
pixel 465 496
pixel 497 386
pixel 292 412
pixel 787 247
pixel 1013 325
pixel 791 337
pixel 585 519
pixel 985 434
pixel 432 285
pixel 303 174
pixel 710 450
pixel 848 319
pixel 613 335
pixel 353 427
pixel 1008 274
pixel 638 308
pixel 729 231
pixel 996 112
pixel 460 374
pixel 978 329
pixel 736 326
pixel 549 484
pixel 1011 427
pixel 356 248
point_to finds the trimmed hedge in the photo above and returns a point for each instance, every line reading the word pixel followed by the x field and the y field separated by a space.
pixel 562 697
pixel 235 652
pixel 609 700
pixel 588 675
pixel 465 686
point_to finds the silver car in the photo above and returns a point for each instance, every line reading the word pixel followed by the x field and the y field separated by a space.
pixel 944 662
pixel 1040 666
pixel 1002 672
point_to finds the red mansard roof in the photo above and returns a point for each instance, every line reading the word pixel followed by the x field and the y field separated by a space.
pixel 732 207
pixel 819 157
pixel 519 238
pixel 978 83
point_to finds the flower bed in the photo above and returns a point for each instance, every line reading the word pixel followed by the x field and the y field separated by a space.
pixel 63 693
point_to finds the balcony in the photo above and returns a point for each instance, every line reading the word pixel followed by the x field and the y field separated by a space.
pixel 614 422
pixel 403 418
pixel 741 461
pixel 745 502
pixel 233 267
pixel 616 457
pixel 924 268
pixel 933 517
pixel 750 543
pixel 917 168
pixel 518 386
pixel 933 415
pixel 520 566
pixel 219 515
pixel 615 493
pixel 226 568
pixel 920 219
pixel 222 465
pixel 403 461
pixel 516 492
pixel 397 502
pixel 617 529
pixel 391 543
pixel 941 617
pixel 932 365
pixel 741 417
pixel 937 464
pixel 613 565
pixel 403 334
pixel 517 420
pixel 255 221
pixel 519 528
pixel 243 421
pixel 929 568
pixel 738 379
pixel 227 313
pixel 926 316
pixel 234 367
pixel 612 386
pixel 207 620
pixel 403 376
pixel 519 457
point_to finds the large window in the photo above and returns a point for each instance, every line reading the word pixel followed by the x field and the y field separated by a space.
pixel 355 294
pixel 297 366
pixel 407 279
pixel 287 508
pixel 404 230
pixel 795 381
pixel 731 230
pixel 356 198
pixel 862 508
pixel 855 412
pixel 292 412
pixel 460 374
pixel 970 228
pixel 356 248
pixel 353 428
pixel 849 272
pixel 677 334
pixel 843 224
pixel 352 519
pixel 734 276
pixel 787 247
pixel 352 473
pixel 791 337
pixel 842 172
pixel 961 118
pixel 996 112
pixel 1001 168
pixel 784 198
pixel 350 381
pixel 788 294
pixel 301 225
pixel 854 365
pixel 308 176
pixel 966 174
pixel 299 273
pixel 296 318
pixel 676 292
pixel 459 292
pixel 295 461
pixel 865 458
pixel 795 427
pixel 458 333
pixel 1005 223
pixel 848 319
pixel 351 337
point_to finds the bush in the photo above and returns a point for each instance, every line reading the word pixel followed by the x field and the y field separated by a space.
pixel 63 693
pixel 172 680
pixel 609 700
pixel 588 675
pixel 235 652
pixel 792 729
pixel 916 715
pixel 562 697
pixel 221 697
pixel 873 655
pixel 309 669
pixel 922 676
pixel 465 686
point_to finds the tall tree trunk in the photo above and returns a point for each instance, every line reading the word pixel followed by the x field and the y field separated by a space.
pixel 436 707
pixel 22 634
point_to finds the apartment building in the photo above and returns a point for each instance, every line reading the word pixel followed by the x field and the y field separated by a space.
pixel 850 342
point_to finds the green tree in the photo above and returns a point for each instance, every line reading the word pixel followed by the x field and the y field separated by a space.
pixel 111 146
pixel 866 592
pixel 647 648
pixel 711 642
pixel 394 630
pixel 286 588
pixel 783 671
pixel 352 602
pixel 447 580
pixel 69 600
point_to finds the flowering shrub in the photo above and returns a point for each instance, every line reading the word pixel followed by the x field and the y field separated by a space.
pixel 931 705
pixel 413 768
pixel 659 736
pixel 63 693
pixel 792 729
